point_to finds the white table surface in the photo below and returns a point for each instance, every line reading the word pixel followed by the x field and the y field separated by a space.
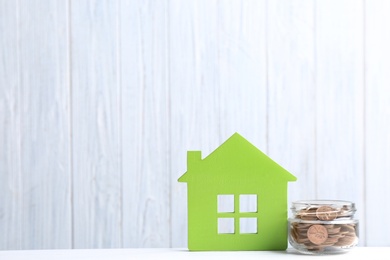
pixel 183 254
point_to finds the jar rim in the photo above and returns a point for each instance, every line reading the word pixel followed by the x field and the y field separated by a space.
pixel 324 202
pixel 331 222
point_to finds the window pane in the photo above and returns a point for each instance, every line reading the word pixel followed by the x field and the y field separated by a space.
pixel 225 203
pixel 225 225
pixel 248 203
pixel 248 225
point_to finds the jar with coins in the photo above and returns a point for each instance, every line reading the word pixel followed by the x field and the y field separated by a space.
pixel 323 226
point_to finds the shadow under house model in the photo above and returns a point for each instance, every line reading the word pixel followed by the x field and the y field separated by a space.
pixel 237 199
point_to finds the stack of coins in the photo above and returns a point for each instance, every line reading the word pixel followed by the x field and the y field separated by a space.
pixel 318 228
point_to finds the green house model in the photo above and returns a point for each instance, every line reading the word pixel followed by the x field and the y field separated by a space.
pixel 237 199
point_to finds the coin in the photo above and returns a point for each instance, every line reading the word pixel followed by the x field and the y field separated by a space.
pixel 346 241
pixel 333 230
pixel 348 228
pixel 326 213
pixel 308 214
pixel 317 234
pixel 331 240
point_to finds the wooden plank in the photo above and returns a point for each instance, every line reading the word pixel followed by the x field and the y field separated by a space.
pixel 10 172
pixel 241 61
pixel 96 126
pixel 195 97
pixel 45 125
pixel 340 103
pixel 291 92
pixel 145 123
pixel 377 124
pixel 218 85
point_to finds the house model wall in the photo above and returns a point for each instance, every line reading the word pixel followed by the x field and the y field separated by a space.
pixel 237 199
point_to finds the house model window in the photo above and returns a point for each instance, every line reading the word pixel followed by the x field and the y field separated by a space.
pixel 237 214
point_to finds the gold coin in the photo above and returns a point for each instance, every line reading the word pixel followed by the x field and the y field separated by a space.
pixel 326 213
pixel 317 234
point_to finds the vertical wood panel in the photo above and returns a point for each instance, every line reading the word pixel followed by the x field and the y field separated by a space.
pixel 10 172
pixel 145 117
pixel 340 103
pixel 217 76
pixel 45 136
pixel 291 86
pixel 96 124
pixel 377 122
pixel 194 80
pixel 242 70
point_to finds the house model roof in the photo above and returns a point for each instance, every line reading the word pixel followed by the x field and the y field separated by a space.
pixel 235 158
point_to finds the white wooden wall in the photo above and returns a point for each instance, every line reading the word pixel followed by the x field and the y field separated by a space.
pixel 101 99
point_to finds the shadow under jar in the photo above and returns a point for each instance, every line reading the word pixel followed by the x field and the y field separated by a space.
pixel 323 226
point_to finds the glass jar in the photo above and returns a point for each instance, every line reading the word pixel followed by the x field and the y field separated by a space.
pixel 323 226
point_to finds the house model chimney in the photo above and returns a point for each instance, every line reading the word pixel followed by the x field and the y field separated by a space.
pixel 193 158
